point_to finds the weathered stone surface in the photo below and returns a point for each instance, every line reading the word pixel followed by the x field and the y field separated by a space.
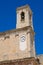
pixel 11 46
pixel 26 61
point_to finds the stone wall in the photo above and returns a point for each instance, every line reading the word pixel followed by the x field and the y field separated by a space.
pixel 10 44
pixel 26 61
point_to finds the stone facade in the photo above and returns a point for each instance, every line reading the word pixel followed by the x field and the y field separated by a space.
pixel 17 46
pixel 10 47
pixel 18 43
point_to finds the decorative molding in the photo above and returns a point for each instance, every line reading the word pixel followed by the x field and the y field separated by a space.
pixel 6 37
pixel 16 34
pixel 28 32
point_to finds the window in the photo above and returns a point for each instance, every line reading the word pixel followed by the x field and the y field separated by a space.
pixel 22 16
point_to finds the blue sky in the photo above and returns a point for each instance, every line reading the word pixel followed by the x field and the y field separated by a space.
pixel 8 18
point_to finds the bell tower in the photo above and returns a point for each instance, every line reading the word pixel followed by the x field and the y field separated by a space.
pixel 26 36
pixel 24 17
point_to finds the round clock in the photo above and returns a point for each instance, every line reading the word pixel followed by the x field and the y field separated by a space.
pixel 23 44
pixel 22 38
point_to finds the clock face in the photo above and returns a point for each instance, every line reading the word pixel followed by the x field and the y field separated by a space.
pixel 22 38
pixel 23 44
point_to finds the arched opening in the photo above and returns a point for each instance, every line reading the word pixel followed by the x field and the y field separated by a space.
pixel 22 16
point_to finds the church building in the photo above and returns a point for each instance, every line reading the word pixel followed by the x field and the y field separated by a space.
pixel 17 46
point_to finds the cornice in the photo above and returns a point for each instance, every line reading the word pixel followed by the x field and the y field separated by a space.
pixel 16 30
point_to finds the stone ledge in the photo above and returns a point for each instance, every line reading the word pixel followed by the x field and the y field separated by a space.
pixel 24 61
